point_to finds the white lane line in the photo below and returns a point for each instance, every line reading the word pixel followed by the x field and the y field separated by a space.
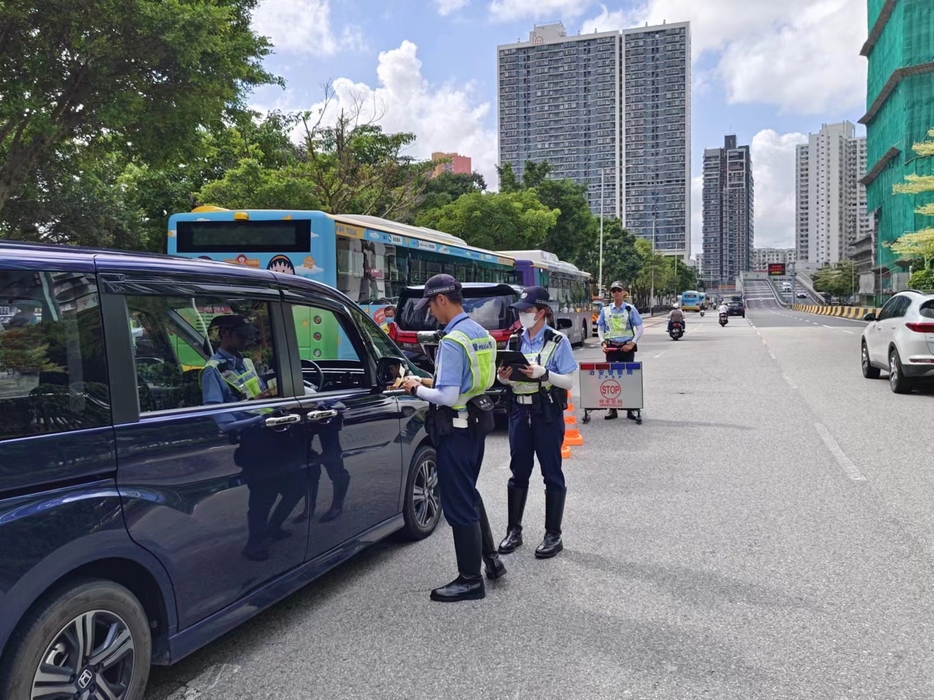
pixel 790 383
pixel 838 453
pixel 772 355
pixel 850 332
pixel 826 326
pixel 659 354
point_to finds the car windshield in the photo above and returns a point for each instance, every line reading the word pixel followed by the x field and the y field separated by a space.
pixel 491 312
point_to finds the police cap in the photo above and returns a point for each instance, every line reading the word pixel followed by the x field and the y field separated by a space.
pixel 439 284
pixel 532 298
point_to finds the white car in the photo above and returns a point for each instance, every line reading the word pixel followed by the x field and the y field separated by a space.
pixel 801 295
pixel 901 340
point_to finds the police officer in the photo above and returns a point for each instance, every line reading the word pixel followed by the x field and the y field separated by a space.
pixel 464 370
pixel 536 418
pixel 619 329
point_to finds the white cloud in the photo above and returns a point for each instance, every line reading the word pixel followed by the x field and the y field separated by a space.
pixel 445 117
pixel 773 167
pixel 801 55
pixel 303 27
pixel 608 21
pixel 446 7
pixel 513 10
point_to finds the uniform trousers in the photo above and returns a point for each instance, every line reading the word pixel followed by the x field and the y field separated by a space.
pixel 460 456
pixel 530 435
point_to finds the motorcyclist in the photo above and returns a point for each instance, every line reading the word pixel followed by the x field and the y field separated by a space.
pixel 723 310
pixel 676 315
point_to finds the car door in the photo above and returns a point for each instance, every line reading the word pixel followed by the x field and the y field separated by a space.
pixel 208 487
pixel 883 332
pixel 352 426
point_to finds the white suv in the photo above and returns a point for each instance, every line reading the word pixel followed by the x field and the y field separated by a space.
pixel 901 340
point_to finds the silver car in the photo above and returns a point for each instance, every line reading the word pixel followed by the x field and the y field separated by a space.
pixel 901 340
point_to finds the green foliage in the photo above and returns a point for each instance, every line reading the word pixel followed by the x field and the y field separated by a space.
pixel 918 244
pixel 447 187
pixel 142 77
pixel 621 261
pixel 503 221
pixel 922 279
pixel 839 280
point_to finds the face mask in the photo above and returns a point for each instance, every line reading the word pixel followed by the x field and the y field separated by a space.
pixel 527 319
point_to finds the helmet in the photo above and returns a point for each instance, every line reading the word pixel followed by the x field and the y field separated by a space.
pixel 675 305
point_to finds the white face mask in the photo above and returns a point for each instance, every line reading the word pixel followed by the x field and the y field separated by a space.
pixel 528 319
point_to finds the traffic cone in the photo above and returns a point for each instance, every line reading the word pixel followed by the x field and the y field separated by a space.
pixel 573 438
pixel 570 407
pixel 565 452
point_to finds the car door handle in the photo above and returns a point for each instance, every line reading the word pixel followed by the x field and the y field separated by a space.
pixel 278 421
pixel 314 416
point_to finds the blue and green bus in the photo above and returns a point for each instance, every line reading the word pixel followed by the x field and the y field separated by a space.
pixel 370 259
pixel 691 301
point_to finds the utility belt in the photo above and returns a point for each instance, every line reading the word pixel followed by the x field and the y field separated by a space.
pixel 549 403
pixel 620 343
pixel 477 419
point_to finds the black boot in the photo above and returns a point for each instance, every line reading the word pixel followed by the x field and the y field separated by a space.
pixel 631 415
pixel 494 565
pixel 554 512
pixel 341 484
pixel 516 500
pixel 469 584
pixel 612 414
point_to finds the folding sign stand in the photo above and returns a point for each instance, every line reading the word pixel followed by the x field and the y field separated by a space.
pixel 608 385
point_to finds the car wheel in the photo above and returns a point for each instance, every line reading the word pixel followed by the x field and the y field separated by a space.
pixel 897 380
pixel 88 640
pixel 422 508
pixel 869 371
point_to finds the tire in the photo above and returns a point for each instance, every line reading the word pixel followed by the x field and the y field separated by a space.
pixel 52 632
pixel 422 508
pixel 897 380
pixel 869 372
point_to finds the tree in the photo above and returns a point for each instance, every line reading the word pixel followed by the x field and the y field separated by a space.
pixel 501 221
pixel 655 271
pixel 839 280
pixel 919 244
pixel 447 187
pixel 144 77
pixel 621 260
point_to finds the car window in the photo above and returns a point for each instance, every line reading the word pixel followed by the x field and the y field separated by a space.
pixel 901 308
pixel 888 308
pixel 330 350
pixel 927 309
pixel 53 369
pixel 380 342
pixel 176 338
pixel 491 312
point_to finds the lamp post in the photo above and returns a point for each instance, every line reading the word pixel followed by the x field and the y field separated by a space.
pixel 600 280
pixel 652 293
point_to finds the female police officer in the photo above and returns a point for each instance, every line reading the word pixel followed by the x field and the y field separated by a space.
pixel 536 419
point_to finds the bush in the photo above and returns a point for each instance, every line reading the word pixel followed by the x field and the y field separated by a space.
pixel 922 279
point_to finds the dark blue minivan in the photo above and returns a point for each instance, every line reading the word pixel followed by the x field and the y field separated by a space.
pixel 182 444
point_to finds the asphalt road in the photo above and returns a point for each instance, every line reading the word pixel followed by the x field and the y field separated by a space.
pixel 766 533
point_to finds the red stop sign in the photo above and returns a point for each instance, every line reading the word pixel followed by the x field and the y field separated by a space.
pixel 610 389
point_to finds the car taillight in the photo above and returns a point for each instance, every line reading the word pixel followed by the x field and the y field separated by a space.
pixel 921 327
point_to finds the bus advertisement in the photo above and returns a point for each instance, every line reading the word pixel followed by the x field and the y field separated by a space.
pixel 691 301
pixel 569 288
pixel 370 259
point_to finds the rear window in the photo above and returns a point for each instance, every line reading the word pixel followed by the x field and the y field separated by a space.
pixel 491 312
pixel 927 309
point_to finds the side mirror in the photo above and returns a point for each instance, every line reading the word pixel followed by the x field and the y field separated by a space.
pixel 871 316
pixel 564 324
pixel 388 370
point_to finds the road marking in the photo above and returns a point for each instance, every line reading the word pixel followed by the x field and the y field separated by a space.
pixel 772 355
pixel 838 453
pixel 850 332
pixel 826 326
pixel 659 354
pixel 790 383
pixel 206 681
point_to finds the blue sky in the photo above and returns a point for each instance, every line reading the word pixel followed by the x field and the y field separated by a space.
pixel 768 72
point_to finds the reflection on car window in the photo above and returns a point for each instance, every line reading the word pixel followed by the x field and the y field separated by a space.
pixel 330 362
pixel 491 312
pixel 195 351
pixel 53 370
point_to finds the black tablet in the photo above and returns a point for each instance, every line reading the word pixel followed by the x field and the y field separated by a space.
pixel 514 359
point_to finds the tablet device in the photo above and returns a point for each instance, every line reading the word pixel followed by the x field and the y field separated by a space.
pixel 514 359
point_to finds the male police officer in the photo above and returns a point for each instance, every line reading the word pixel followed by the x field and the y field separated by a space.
pixel 465 369
pixel 619 329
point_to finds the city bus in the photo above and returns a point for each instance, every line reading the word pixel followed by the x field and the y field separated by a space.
pixel 569 287
pixel 690 301
pixel 370 259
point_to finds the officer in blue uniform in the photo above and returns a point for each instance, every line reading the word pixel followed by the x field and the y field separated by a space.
pixel 458 421
pixel 619 328
pixel 536 418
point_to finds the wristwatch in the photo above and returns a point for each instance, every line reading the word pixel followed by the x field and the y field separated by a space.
pixel 544 377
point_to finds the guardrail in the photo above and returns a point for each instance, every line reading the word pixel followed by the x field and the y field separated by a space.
pixel 856 312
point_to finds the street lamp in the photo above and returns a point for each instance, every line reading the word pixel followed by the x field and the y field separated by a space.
pixel 652 293
pixel 600 280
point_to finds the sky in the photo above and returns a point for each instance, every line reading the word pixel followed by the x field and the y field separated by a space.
pixel 769 72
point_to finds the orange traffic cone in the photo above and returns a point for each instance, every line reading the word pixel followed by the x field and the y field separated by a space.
pixel 565 452
pixel 573 438
pixel 570 407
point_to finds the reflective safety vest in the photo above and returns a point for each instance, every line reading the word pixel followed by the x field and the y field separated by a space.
pixel 552 340
pixel 618 323
pixel 481 357
pixel 245 384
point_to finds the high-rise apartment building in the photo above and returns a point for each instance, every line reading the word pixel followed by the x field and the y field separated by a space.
pixel 831 203
pixel 763 257
pixel 453 163
pixel 899 112
pixel 616 104
pixel 729 213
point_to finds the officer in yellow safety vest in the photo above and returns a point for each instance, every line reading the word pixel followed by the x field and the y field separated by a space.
pixel 229 376
pixel 619 329
pixel 459 419
pixel 536 418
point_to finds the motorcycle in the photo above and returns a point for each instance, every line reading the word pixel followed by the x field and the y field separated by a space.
pixel 724 319
pixel 677 330
pixel 702 313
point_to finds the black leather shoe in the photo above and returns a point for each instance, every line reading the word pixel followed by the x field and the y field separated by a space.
pixel 515 499
pixel 461 588
pixel 494 565
pixel 611 415
pixel 469 584
pixel 554 514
